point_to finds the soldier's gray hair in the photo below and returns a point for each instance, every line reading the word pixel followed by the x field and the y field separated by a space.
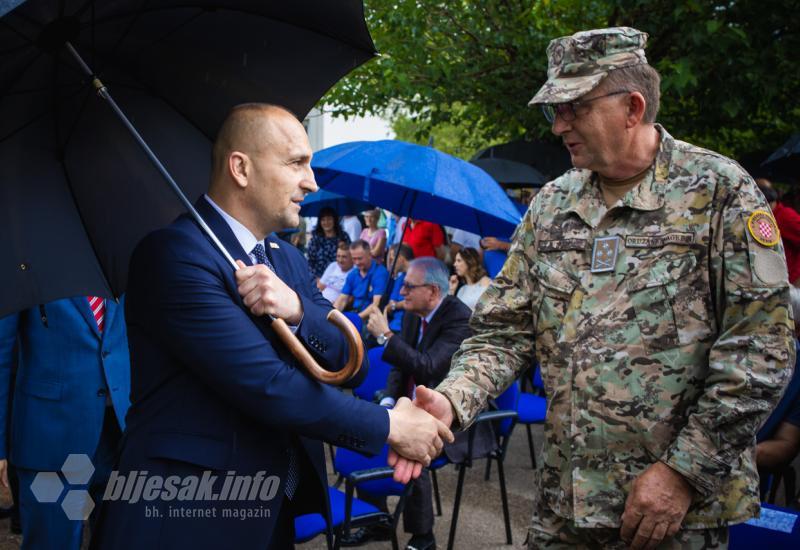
pixel 640 78
pixel 794 300
pixel 435 270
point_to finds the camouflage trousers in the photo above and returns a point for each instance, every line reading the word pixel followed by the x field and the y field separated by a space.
pixel 552 532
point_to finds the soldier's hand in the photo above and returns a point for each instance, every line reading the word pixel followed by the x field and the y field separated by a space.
pixel 655 507
pixel 434 403
pixel 415 434
pixel 263 292
pixel 439 406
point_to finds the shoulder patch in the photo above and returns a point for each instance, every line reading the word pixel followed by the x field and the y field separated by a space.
pixel 763 228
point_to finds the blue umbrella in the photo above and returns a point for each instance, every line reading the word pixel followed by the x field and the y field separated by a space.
pixel 344 206
pixel 419 182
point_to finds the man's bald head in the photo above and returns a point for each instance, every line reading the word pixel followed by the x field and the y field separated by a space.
pixel 246 129
pixel 261 168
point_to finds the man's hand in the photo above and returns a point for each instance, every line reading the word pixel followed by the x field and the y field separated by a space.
pixel 320 285
pixel 453 283
pixel 415 435
pixel 266 294
pixel 377 323
pixel 491 243
pixel 433 403
pixel 4 473
pixel 655 507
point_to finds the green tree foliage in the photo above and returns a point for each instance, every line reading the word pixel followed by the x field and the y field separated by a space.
pixel 464 70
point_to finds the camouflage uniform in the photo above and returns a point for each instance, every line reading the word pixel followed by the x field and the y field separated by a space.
pixel 677 354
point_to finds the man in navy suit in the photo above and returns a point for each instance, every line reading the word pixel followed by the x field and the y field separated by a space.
pixel 215 394
pixel 70 398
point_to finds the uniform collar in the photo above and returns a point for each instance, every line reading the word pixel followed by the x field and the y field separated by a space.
pixel 588 202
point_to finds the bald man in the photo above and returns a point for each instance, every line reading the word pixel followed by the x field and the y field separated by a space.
pixel 223 441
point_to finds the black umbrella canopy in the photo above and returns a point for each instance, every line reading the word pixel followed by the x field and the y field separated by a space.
pixel 76 192
pixel 550 159
pixel 785 161
pixel 510 173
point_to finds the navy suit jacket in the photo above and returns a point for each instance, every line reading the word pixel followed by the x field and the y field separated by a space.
pixel 214 390
pixel 66 369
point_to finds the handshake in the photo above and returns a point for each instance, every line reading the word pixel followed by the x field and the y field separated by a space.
pixel 418 431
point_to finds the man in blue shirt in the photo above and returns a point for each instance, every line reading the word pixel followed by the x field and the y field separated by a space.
pixel 365 285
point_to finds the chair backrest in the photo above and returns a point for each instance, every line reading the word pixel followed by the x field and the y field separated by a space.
pixel 493 261
pixel 507 401
pixel 355 319
pixel 346 462
pixel 376 377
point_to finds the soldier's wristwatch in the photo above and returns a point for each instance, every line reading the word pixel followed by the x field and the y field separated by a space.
pixel 382 338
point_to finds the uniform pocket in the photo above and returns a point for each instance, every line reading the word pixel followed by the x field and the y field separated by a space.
pixel 555 289
pixel 653 291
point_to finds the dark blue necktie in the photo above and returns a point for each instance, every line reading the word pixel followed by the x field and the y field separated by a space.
pixel 261 256
pixel 292 480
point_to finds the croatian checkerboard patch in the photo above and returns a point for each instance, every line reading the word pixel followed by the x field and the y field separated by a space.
pixel 763 228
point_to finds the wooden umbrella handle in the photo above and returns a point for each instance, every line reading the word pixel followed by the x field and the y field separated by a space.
pixel 355 348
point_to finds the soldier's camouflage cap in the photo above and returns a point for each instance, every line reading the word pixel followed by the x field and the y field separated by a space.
pixel 577 63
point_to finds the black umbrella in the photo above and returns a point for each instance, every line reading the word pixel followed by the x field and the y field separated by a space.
pixel 510 173
pixel 551 159
pixel 76 191
pixel 785 161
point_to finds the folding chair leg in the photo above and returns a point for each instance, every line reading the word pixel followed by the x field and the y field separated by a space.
pixel 502 476
pixel 773 489
pixel 436 497
pixel 488 472
pixel 789 485
pixel 462 470
pixel 332 452
pixel 530 446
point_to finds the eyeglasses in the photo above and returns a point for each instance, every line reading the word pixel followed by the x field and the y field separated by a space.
pixel 567 110
pixel 409 287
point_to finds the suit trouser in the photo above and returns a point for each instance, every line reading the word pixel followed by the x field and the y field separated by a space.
pixel 418 512
pixel 45 525
pixel 283 532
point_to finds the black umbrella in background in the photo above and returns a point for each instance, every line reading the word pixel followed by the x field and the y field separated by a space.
pixel 76 191
pixel 510 173
pixel 551 159
pixel 785 161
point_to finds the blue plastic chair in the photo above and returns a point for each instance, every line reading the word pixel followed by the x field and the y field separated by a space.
pixel 503 421
pixel 371 475
pixel 493 261
pixel 355 319
pixel 309 526
pixel 745 536
pixel 376 377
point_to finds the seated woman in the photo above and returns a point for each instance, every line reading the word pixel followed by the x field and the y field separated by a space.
pixel 470 279
pixel 374 235
pixel 324 241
